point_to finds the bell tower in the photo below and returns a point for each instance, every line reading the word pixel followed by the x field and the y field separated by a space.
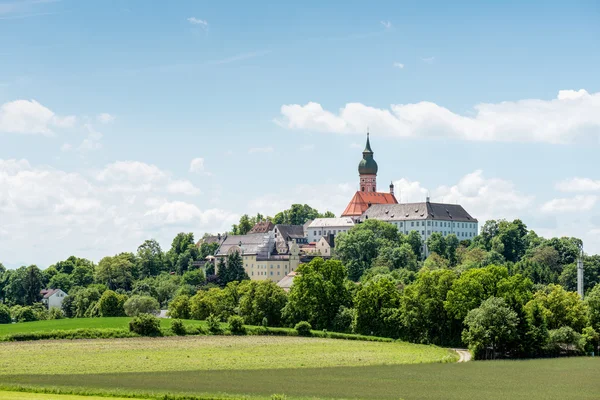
pixel 367 170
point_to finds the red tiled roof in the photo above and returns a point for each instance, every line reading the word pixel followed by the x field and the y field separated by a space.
pixel 363 200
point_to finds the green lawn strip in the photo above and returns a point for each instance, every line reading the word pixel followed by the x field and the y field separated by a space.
pixel 574 378
pixel 206 353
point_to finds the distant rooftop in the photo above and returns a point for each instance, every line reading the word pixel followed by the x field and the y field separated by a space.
pixel 414 211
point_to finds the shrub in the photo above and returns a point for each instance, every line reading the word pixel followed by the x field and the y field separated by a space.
pixel 278 397
pixel 4 315
pixel 303 328
pixel 265 322
pixel 179 307
pixel 343 320
pixel 145 325
pixel 111 304
pixel 236 325
pixel 178 328
pixel 25 314
pixel 137 305
pixel 56 313
pixel 214 325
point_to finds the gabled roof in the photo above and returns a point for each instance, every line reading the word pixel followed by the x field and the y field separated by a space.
pixel 287 281
pixel 288 232
pixel 262 227
pixel 249 243
pixel 414 211
pixel 363 200
pixel 47 293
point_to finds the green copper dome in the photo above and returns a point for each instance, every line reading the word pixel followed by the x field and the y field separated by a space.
pixel 367 165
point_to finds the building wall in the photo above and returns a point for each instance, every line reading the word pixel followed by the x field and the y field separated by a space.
pixel 316 233
pixel 56 300
pixel 273 270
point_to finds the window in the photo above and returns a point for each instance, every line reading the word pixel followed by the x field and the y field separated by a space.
pixel 423 233
pixel 435 223
pixel 428 232
pixel 401 223
pixel 412 223
pixel 278 273
pixel 271 273
pixel 252 273
pixel 315 233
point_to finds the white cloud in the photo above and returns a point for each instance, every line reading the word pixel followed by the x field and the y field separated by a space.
pixel 399 65
pixel 105 118
pixel 183 187
pixel 268 149
pixel 386 24
pixel 197 166
pixel 307 147
pixel 30 117
pixel 570 205
pixel 201 22
pixel 578 185
pixel 572 116
pixel 428 60
pixel 91 142
pixel 66 213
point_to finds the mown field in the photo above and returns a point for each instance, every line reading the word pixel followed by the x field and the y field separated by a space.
pixel 260 366
pixel 79 323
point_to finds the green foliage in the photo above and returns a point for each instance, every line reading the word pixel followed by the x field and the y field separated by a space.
pixel 178 328
pixel 145 325
pixel 317 294
pixel 194 277
pixel 24 314
pixel 117 272
pixel 24 286
pixel 303 328
pixel 537 336
pixel 261 300
pixel 179 307
pixel 5 314
pixel 61 281
pixel 183 252
pixel 344 320
pixel 592 302
pixel 374 303
pixel 137 305
pixel 298 214
pixel 55 313
pixel 491 329
pixel 562 308
pixel 214 325
pixel 150 259
pixel 236 325
pixel 435 261
pixel 565 341
pixel 111 304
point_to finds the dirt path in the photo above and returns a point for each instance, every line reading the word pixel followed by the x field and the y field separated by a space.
pixel 464 355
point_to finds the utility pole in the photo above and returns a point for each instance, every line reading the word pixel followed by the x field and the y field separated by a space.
pixel 580 273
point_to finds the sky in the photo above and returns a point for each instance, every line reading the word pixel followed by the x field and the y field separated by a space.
pixel 126 120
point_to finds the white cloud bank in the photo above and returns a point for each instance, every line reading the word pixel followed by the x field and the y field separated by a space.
pixel 578 185
pixel 31 117
pixel 49 214
pixel 572 115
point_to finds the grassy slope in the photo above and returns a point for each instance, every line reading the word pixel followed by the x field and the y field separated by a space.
pixel 574 378
pixel 44 396
pixel 77 323
pixel 205 353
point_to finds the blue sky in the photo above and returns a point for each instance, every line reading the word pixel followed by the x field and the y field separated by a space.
pixel 104 105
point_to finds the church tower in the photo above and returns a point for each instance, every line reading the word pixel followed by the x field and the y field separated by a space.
pixel 367 170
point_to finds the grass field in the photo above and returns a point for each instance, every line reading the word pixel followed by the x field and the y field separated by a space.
pixel 78 323
pixel 258 366
pixel 44 396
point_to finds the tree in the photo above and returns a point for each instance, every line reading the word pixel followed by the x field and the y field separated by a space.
pixel 490 328
pixel 183 252
pixel 318 292
pixel 592 301
pixel 376 304
pixel 82 275
pixel 235 268
pixel 425 320
pixel 436 243
pixel 117 272
pixel 435 261
pixel 222 272
pixel 416 243
pixel 179 307
pixel 137 305
pixel 61 281
pixel 261 300
pixel 150 259
pixel 452 244
pixel 536 337
pixel 194 277
pixel 4 314
pixel 24 286
pixel 361 245
pixel 111 304
pixel 561 308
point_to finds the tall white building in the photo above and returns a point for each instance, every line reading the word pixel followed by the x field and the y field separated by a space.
pixel 426 218
pixel 327 226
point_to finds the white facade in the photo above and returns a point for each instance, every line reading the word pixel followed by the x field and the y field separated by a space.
pixel 54 298
pixel 325 226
